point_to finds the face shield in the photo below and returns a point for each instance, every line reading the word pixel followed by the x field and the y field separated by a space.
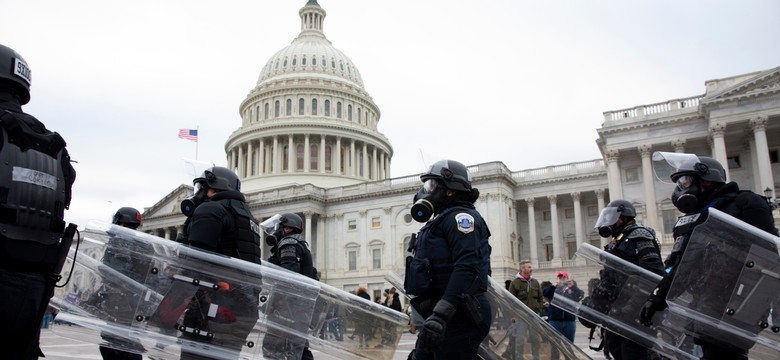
pixel 272 227
pixel 607 219
pixel 665 164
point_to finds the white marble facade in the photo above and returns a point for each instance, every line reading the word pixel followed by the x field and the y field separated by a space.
pixel 309 144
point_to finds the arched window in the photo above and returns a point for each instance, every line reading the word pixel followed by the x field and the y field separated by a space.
pixel 288 110
pixel 338 109
pixel 266 111
pixel 277 64
pixel 332 63
pixel 349 112
pixel 314 106
pixel 327 107
pixel 314 156
pixel 276 108
pixel 299 157
pixel 358 114
pixel 328 161
pixel 257 113
pixel 285 157
pixel 295 60
pixel 285 63
pixel 300 106
pixel 314 60
pixel 303 60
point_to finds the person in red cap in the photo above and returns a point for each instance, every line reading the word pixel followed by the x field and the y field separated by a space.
pixel 563 321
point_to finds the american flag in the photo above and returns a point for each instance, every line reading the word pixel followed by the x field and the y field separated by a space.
pixel 189 134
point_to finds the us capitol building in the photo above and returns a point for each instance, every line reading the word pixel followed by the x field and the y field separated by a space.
pixel 308 143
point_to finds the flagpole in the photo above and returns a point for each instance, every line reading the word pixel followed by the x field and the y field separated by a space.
pixel 196 141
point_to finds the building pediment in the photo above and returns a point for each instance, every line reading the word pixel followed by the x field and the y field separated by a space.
pixel 169 204
pixel 759 84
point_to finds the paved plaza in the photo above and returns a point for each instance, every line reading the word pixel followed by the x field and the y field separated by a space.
pixel 58 348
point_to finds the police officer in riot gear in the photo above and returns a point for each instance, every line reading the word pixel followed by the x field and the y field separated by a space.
pixel 448 272
pixel 221 222
pixel 35 189
pixel 123 257
pixel 636 244
pixel 288 247
pixel 291 251
pixel 701 184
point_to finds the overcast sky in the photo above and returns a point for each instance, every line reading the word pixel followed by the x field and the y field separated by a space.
pixel 522 82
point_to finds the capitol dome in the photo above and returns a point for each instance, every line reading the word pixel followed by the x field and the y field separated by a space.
pixel 309 118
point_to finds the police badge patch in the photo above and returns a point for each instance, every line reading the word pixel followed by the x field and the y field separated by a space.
pixel 465 222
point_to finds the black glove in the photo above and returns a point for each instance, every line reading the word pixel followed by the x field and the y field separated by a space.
pixel 431 338
pixel 647 312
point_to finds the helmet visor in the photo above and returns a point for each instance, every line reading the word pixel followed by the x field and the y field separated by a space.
pixel 198 186
pixel 270 225
pixel 608 217
pixel 665 164
pixel 430 186
pixel 684 182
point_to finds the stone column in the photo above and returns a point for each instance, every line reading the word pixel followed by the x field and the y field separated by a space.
pixel 556 236
pixel 167 233
pixel 291 155
pixel 600 199
pixel 306 154
pixel 679 145
pixel 322 154
pixel 578 224
pixel 261 158
pixel 758 125
pixel 275 157
pixel 337 165
pixel 613 174
pixel 307 228
pixel 646 151
pixel 352 159
pixel 250 159
pixel 319 254
pixel 364 164
pixel 532 240
pixel 374 173
pixel 241 161
pixel 718 131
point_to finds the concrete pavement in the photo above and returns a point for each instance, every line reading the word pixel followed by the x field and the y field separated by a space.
pixel 59 348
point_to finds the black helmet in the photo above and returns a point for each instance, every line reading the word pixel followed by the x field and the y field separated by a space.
pixel 219 178
pixel 707 169
pixel 128 217
pixel 454 175
pixel 292 220
pixel 14 71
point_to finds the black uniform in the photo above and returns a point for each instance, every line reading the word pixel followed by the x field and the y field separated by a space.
pixel 743 205
pixel 636 244
pixel 451 262
pixel 35 188
pixel 292 253
pixel 224 224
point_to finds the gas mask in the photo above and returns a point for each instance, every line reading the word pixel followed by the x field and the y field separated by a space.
pixel 189 204
pixel 426 200
pixel 606 231
pixel 686 194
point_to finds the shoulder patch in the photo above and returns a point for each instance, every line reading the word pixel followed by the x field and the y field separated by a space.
pixel 465 222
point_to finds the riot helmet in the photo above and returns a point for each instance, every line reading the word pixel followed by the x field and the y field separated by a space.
pixel 274 227
pixel 442 175
pixel 15 72
pixel 127 217
pixel 218 178
pixel 453 174
pixel 686 171
pixel 606 223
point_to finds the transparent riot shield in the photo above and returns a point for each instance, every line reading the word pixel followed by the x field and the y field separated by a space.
pixel 726 286
pixel 516 332
pixel 139 293
pixel 615 303
pixel 339 317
